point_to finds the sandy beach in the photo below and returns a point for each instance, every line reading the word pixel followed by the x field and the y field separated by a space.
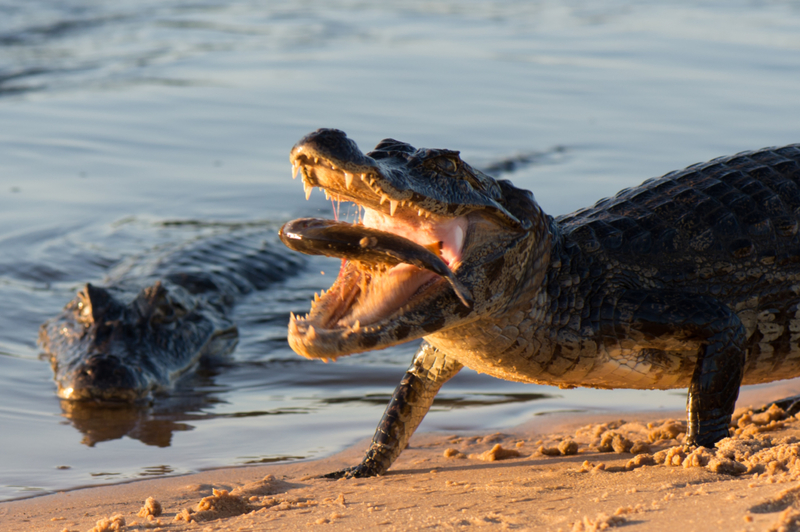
pixel 568 472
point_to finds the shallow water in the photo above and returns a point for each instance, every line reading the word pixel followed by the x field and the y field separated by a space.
pixel 129 125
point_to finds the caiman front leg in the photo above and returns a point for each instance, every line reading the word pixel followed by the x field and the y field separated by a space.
pixel 666 320
pixel 410 402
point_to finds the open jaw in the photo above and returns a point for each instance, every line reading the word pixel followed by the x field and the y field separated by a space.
pixel 399 276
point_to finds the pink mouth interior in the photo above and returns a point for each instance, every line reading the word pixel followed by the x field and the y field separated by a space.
pixel 389 291
pixel 424 231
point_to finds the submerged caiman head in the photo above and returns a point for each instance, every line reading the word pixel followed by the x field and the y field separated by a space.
pixel 119 345
pixel 483 229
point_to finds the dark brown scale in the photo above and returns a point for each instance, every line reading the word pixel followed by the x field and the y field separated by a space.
pixel 724 200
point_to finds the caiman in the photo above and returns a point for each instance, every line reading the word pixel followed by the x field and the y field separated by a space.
pixel 157 316
pixel 688 280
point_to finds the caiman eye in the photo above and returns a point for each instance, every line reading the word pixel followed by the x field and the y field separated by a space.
pixel 448 164
pixel 167 312
pixel 83 306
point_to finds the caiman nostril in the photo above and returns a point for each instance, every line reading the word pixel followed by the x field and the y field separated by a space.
pixel 103 373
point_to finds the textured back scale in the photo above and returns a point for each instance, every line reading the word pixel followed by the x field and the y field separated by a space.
pixel 230 263
pixel 727 228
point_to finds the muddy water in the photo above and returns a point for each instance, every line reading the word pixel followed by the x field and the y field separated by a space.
pixel 130 126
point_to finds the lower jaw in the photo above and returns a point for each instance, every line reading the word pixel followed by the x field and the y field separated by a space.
pixel 386 294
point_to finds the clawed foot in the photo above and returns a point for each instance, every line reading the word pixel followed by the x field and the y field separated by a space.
pixel 790 405
pixel 362 470
pixel 707 440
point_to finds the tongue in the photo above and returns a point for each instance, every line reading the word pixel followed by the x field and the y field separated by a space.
pixel 356 242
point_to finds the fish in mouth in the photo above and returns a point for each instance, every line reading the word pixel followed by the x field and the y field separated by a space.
pixel 368 246
pixel 416 263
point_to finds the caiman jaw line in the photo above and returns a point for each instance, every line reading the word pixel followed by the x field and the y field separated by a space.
pixel 321 167
pixel 362 300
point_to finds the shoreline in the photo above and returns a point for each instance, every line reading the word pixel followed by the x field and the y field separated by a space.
pixel 549 473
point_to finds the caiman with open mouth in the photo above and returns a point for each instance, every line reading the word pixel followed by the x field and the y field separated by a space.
pixel 689 280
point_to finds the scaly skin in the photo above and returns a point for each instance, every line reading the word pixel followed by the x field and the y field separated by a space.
pixel 689 280
pixel 410 402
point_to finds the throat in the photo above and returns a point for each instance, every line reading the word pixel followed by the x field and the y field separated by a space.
pixel 447 235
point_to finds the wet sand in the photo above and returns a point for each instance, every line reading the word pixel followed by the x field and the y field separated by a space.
pixel 568 472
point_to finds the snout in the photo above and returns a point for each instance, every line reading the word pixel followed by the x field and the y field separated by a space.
pixel 103 378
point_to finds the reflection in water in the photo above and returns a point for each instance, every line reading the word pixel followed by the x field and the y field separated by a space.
pixel 448 402
pixel 100 423
pixel 194 401
pixel 151 423
pixel 154 423
pixel 270 460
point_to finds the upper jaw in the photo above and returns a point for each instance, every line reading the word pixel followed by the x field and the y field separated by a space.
pixel 359 178
pixel 397 176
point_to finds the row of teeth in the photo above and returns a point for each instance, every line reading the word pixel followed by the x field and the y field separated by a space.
pixel 348 181
pixel 311 333
pixel 356 327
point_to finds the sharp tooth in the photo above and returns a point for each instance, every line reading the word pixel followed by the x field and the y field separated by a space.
pixel 363 177
pixel 384 197
pixel 392 207
pixel 311 334
pixel 459 234
pixel 348 179
pixel 327 196
pixel 316 160
pixel 419 212
pixel 295 168
pixel 356 325
pixel 308 188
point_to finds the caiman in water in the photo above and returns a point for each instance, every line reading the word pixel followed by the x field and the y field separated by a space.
pixel 688 280
pixel 156 317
